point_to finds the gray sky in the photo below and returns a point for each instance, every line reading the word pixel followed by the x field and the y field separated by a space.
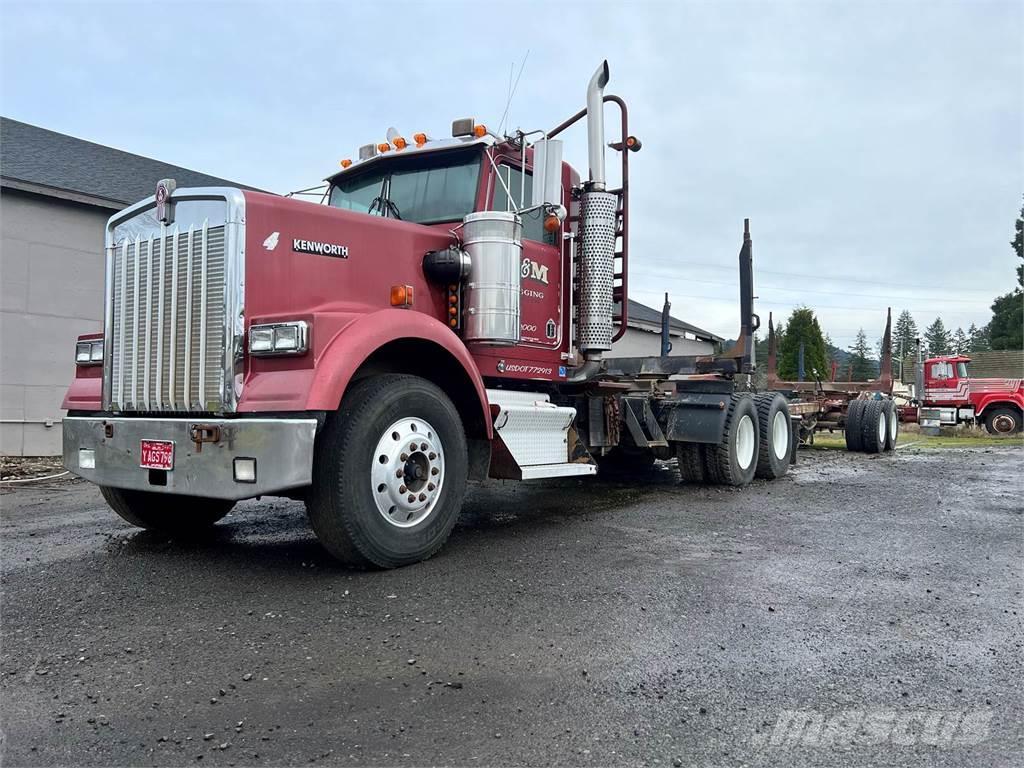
pixel 878 148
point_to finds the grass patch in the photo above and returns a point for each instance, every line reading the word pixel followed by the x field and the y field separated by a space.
pixel 836 441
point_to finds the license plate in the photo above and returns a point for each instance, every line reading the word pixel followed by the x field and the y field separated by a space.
pixel 156 454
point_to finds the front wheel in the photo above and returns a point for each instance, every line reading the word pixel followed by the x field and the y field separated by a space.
pixel 169 513
pixel 389 473
pixel 1002 421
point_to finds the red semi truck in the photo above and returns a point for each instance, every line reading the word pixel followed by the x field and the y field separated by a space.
pixel 949 396
pixel 445 313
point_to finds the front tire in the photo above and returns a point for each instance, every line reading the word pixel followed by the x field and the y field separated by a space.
pixel 1002 421
pixel 776 435
pixel 389 473
pixel 169 513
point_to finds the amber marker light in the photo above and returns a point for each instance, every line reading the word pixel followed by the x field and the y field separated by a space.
pixel 420 139
pixel 479 131
pixel 383 147
pixel 551 223
pixel 399 143
pixel 401 295
pixel 346 163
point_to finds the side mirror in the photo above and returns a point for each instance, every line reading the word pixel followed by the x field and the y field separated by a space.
pixel 547 172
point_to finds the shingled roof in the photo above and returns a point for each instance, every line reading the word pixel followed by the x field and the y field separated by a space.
pixel 641 314
pixel 37 160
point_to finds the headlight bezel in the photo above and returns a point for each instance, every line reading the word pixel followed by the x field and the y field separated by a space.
pixel 283 339
pixel 89 352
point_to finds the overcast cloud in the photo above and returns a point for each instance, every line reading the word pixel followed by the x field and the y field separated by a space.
pixel 878 148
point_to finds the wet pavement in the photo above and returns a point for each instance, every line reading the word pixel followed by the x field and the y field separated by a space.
pixel 863 610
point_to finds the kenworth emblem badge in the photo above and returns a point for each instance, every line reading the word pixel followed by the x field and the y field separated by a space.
pixel 319 248
pixel 164 208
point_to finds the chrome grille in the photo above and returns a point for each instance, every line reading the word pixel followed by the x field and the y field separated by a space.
pixel 174 323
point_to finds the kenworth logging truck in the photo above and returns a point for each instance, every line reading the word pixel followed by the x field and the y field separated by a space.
pixel 948 396
pixel 444 314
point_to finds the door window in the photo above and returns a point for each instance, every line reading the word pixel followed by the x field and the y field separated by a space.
pixel 533 222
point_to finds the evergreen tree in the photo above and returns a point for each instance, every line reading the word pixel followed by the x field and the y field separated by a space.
pixel 977 338
pixel 802 326
pixel 861 368
pixel 960 343
pixel 1006 330
pixel 904 335
pixel 936 338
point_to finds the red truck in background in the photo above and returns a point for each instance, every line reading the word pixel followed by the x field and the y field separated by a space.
pixel 444 313
pixel 949 396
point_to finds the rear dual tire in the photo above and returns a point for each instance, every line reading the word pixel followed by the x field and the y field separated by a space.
pixel 734 460
pixel 776 435
pixel 872 426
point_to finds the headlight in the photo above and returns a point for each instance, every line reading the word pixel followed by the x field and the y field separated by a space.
pixel 89 352
pixel 279 338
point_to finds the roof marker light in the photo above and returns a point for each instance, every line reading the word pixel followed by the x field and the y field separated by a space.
pixel 346 163
pixel 420 139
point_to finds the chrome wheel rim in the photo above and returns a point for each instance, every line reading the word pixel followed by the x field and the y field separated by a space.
pixel 745 442
pixel 780 435
pixel 1003 424
pixel 408 472
pixel 881 428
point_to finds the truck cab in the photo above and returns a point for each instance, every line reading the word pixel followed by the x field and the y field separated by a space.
pixel 950 396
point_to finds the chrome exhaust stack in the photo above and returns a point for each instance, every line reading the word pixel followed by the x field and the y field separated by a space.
pixel 598 219
pixel 595 126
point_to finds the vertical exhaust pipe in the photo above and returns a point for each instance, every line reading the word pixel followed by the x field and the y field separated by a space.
pixel 595 126
pixel 595 265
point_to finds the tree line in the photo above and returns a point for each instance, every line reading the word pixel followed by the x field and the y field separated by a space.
pixel 801 329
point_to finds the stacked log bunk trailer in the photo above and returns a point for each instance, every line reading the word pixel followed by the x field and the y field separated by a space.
pixel 369 364
pixel 863 410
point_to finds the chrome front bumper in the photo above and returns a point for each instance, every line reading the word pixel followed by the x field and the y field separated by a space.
pixel 282 449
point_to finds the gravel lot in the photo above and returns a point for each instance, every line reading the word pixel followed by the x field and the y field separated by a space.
pixel 875 600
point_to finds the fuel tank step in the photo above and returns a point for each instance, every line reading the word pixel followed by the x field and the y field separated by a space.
pixel 535 438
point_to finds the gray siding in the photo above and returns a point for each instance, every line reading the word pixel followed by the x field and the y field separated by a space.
pixel 51 273
pixel 640 343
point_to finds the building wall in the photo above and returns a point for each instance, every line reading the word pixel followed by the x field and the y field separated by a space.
pixel 51 273
pixel 640 343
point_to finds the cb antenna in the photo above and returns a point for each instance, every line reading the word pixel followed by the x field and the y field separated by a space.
pixel 512 90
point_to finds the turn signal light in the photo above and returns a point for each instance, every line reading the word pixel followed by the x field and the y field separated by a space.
pixel 420 139
pixel 551 223
pixel 346 163
pixel 401 295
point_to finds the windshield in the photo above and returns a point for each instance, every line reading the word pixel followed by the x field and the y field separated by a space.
pixel 426 189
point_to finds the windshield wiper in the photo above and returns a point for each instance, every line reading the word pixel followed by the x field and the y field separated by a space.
pixel 382 202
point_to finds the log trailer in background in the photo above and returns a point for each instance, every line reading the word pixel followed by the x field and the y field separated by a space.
pixel 863 410
pixel 444 314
